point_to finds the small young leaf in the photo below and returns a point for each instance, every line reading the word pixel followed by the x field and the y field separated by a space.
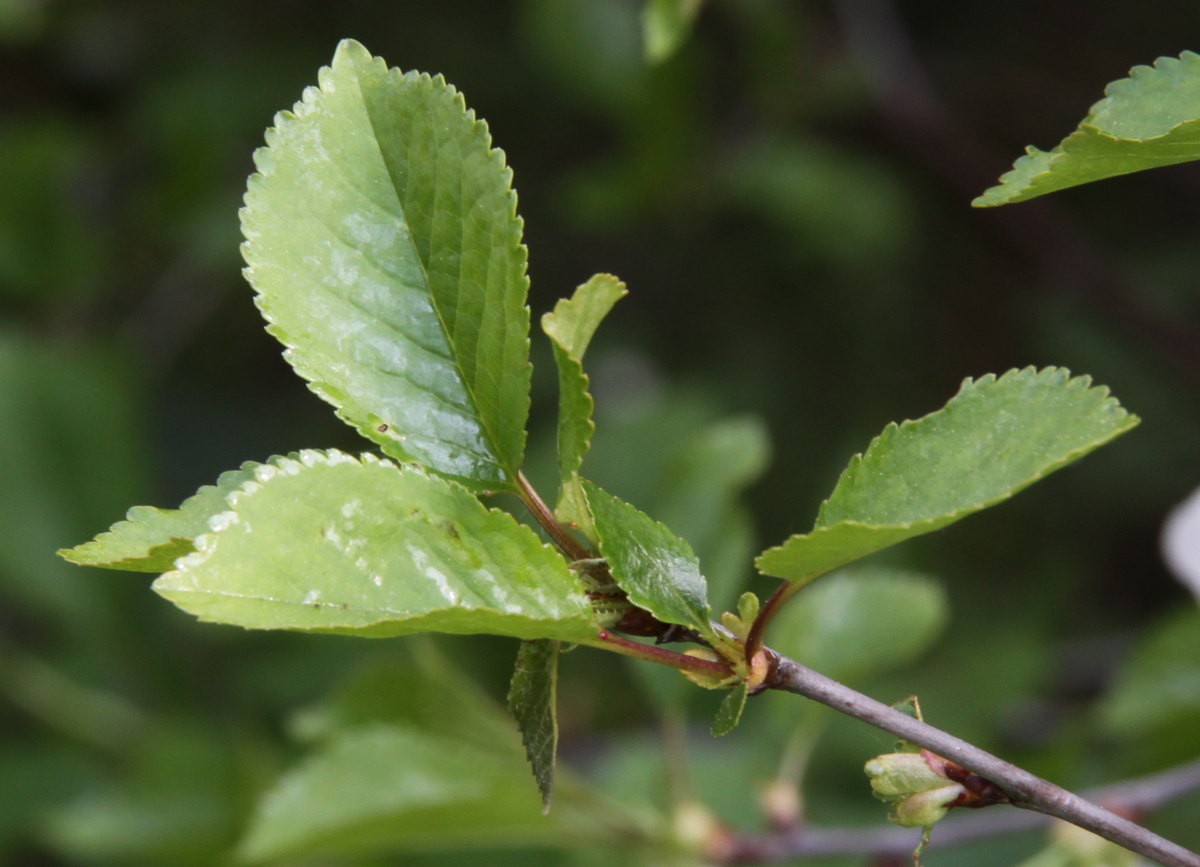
pixel 1150 119
pixel 666 25
pixel 383 240
pixel 150 539
pixel 994 438
pixel 656 569
pixel 533 701
pixel 326 543
pixel 730 711
pixel 570 328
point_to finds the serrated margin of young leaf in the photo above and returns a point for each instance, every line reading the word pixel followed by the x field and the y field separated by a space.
pixel 774 561
pixel 374 428
pixel 581 627
pixel 538 724
pixel 1018 183
pixel 729 714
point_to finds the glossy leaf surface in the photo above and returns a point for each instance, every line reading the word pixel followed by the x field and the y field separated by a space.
pixel 994 438
pixel 331 544
pixel 533 701
pixel 656 569
pixel 152 539
pixel 1150 119
pixel 570 328
pixel 383 240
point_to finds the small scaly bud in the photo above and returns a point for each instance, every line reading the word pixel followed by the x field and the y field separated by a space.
pixel 925 808
pixel 898 775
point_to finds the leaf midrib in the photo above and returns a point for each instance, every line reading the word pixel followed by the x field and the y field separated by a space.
pixel 467 386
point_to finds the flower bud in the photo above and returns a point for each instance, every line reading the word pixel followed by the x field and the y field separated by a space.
pixel 897 775
pixel 925 808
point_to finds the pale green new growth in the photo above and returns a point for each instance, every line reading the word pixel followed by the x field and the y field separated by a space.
pixel 150 539
pixel 656 569
pixel 326 543
pixel 532 699
pixel 383 240
pixel 1150 119
pixel 994 438
pixel 570 328
pixel 666 25
pixel 730 711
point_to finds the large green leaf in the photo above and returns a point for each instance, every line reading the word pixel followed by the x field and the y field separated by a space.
pixel 1150 119
pixel 570 328
pixel 862 622
pixel 327 543
pixel 1160 681
pixel 393 788
pixel 656 569
pixel 994 438
pixel 533 700
pixel 383 240
pixel 151 539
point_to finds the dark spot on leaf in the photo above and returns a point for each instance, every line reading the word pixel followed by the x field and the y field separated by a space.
pixel 383 428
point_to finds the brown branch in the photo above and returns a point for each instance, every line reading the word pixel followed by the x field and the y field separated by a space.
pixel 1023 788
pixel 1142 795
pixel 555 530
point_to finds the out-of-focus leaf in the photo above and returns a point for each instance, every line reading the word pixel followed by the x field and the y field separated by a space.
pixel 1160 682
pixel 656 569
pixel 391 788
pixel 666 25
pixel 730 711
pixel 72 462
pixel 36 776
pixel 1150 119
pixel 570 328
pixel 994 438
pixel 383 240
pixel 152 539
pixel 533 700
pixel 861 622
pixel 1181 543
pixel 417 688
pixel 834 206
pixel 327 543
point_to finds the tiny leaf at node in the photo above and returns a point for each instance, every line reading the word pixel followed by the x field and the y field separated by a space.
pixel 994 438
pixel 570 328
pixel 383 241
pixel 730 711
pixel 656 569
pixel 150 539
pixel 326 543
pixel 533 701
pixel 1150 119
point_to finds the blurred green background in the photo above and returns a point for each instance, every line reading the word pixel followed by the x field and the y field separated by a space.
pixel 787 199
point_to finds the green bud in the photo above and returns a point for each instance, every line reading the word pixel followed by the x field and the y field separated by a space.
pixel 924 808
pixel 897 775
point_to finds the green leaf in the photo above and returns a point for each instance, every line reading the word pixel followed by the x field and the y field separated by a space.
pixel 1159 682
pixel 151 539
pixel 392 788
pixel 383 240
pixel 413 685
pixel 730 711
pixel 861 623
pixel 656 569
pixel 570 328
pixel 666 25
pixel 533 700
pixel 1150 119
pixel 326 543
pixel 994 438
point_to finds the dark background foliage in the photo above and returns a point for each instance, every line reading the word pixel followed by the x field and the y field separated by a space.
pixel 788 201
